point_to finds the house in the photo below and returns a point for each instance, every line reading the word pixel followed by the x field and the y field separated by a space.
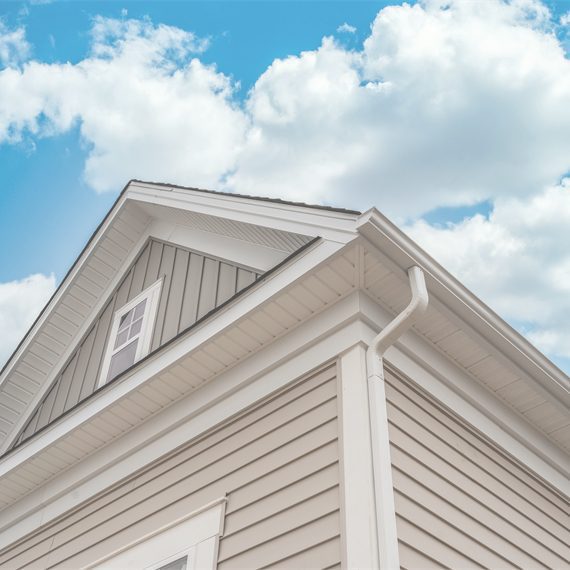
pixel 224 381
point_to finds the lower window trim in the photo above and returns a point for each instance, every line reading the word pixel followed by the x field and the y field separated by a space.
pixel 196 535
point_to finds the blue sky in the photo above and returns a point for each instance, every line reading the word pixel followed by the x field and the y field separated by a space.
pixel 245 38
pixel 449 118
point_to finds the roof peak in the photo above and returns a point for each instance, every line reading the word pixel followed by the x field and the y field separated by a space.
pixel 248 197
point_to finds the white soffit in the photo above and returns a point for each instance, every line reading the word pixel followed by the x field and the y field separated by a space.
pixel 454 325
pixel 262 314
pixel 319 278
pixel 112 249
pixel 539 393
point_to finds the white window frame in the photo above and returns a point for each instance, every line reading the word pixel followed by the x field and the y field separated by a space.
pixel 196 535
pixel 152 296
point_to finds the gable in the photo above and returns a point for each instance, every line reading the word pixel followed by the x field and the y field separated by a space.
pixel 193 285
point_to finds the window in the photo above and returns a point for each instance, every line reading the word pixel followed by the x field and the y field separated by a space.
pixel 190 543
pixel 131 333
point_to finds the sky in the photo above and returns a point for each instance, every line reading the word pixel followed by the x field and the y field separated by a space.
pixel 451 117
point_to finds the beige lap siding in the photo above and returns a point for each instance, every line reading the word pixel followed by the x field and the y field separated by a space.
pixel 278 465
pixel 460 501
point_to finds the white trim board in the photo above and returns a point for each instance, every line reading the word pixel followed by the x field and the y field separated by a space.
pixel 332 225
pixel 230 393
pixel 272 368
pixel 359 544
pixel 255 257
pixel 171 354
pixel 194 535
pixel 465 396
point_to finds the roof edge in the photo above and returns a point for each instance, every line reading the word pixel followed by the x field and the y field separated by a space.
pixel 377 228
pixel 59 289
pixel 249 197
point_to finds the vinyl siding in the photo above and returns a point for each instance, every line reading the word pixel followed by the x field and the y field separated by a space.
pixel 460 501
pixel 278 465
pixel 193 285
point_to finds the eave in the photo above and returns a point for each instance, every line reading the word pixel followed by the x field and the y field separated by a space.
pixel 265 232
pixel 470 333
pixel 474 347
pixel 310 286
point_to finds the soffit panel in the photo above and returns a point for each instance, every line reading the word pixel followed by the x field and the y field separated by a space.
pixel 61 326
pixel 269 321
pixel 49 345
pixel 389 286
pixel 287 242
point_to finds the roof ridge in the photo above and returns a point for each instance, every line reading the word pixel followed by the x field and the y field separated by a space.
pixel 250 197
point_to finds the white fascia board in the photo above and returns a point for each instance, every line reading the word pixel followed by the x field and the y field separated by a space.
pixel 312 344
pixel 537 368
pixel 467 398
pixel 87 323
pixel 172 353
pixel 253 256
pixel 353 320
pixel 257 257
pixel 60 292
pixel 335 226
pixel 62 289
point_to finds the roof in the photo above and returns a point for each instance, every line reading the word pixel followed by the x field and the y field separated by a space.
pixel 165 185
pixel 359 256
pixel 250 197
pixel 400 252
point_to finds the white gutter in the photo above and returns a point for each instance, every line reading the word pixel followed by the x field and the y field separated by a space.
pixel 381 463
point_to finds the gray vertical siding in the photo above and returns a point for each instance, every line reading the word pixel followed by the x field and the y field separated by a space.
pixel 460 501
pixel 276 462
pixel 193 285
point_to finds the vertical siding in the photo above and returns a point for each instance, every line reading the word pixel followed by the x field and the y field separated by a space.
pixel 193 285
pixel 278 465
pixel 460 501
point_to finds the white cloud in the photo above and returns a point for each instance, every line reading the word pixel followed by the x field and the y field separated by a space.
pixel 146 107
pixel 14 47
pixel 517 260
pixel 444 106
pixel 20 303
pixel 346 29
pixel 447 103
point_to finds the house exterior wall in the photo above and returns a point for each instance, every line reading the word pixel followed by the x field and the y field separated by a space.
pixel 460 501
pixel 193 285
pixel 277 463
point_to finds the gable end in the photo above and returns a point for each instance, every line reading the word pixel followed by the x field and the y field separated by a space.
pixel 193 285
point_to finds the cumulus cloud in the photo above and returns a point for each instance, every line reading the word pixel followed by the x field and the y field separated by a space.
pixel 445 105
pixel 20 303
pixel 14 48
pixel 517 260
pixel 145 106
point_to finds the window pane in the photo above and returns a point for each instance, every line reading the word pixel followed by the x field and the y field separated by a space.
pixel 121 338
pixel 126 319
pixel 179 564
pixel 139 309
pixel 122 359
pixel 135 328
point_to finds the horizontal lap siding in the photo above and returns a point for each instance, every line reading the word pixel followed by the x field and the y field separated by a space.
pixel 193 285
pixel 460 501
pixel 278 465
